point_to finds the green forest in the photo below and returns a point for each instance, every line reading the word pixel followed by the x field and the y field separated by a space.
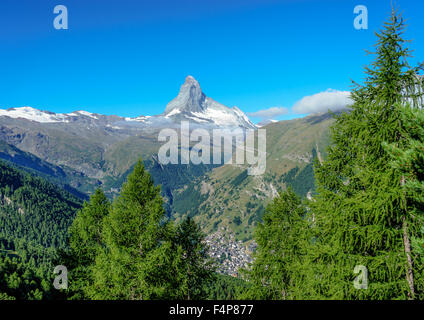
pixel 360 235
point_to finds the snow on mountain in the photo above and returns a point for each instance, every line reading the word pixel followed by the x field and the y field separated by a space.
pixel 191 105
pixel 40 116
pixel 82 112
pixel 33 115
pixel 190 98
pixel 36 115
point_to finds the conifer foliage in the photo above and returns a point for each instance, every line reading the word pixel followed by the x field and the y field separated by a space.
pixel 408 158
pixel 86 241
pixel 196 268
pixel 128 251
pixel 135 262
pixel 364 214
pixel 282 242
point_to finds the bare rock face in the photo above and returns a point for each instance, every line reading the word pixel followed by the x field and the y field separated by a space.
pixel 189 99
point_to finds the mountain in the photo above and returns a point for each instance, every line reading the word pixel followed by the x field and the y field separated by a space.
pixel 86 156
pixel 42 116
pixel 193 105
pixel 88 150
pixel 64 177
pixel 84 151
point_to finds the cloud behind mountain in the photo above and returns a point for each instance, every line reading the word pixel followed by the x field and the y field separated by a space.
pixel 330 99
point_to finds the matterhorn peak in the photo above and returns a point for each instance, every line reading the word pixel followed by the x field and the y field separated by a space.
pixel 189 99
pixel 191 80
pixel 193 105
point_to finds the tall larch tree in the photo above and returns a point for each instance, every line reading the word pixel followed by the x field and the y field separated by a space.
pixel 138 260
pixel 408 159
pixel 363 215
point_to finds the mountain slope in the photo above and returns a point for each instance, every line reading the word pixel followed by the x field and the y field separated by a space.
pixel 34 215
pixel 64 177
pixel 99 150
pixel 228 197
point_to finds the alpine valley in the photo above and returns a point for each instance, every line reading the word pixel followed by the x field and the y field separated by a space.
pixel 196 201
pixel 81 151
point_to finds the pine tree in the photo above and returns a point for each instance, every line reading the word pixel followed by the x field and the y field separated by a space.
pixel 137 261
pixel 282 241
pixel 196 268
pixel 361 213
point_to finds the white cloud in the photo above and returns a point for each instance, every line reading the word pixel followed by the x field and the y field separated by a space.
pixel 269 113
pixel 331 99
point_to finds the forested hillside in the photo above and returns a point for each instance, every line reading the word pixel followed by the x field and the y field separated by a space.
pixel 34 219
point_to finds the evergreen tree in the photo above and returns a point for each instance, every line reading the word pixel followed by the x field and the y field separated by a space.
pixel 226 287
pixel 282 242
pixel 196 269
pixel 85 242
pixel 408 158
pixel 19 281
pixel 86 230
pixel 137 261
pixel 362 214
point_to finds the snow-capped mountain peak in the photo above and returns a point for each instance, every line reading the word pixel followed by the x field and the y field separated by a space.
pixel 42 116
pixel 189 99
pixel 193 105
pixel 83 113
pixel 33 114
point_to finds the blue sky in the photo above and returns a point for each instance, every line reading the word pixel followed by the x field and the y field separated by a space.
pixel 130 57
